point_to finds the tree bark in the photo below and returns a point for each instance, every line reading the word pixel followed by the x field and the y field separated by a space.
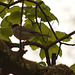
pixel 10 62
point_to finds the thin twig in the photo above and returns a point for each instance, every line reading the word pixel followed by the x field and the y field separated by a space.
pixel 58 50
pixel 32 22
pixel 67 44
pixel 2 10
pixel 21 24
pixel 8 5
pixel 5 7
pixel 66 36
pixel 38 23
pixel 36 19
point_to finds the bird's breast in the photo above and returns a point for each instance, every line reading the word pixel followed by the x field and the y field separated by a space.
pixel 24 35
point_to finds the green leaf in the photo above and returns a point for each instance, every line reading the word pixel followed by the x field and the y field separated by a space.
pixel 54 49
pixel 30 16
pixel 2 12
pixel 44 29
pixel 62 34
pixel 6 23
pixel 2 0
pixel 7 1
pixel 28 23
pixel 3 36
pixel 14 17
pixel 29 3
pixel 42 54
pixel 6 32
pixel 30 12
pixel 42 63
pixel 73 67
pixel 14 8
pixel 28 9
pixel 45 8
pixel 33 47
pixel 48 14
pixel 37 0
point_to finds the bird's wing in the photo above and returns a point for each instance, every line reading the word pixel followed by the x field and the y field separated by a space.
pixel 28 30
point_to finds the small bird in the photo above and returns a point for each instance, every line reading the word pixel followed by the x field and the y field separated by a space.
pixel 26 33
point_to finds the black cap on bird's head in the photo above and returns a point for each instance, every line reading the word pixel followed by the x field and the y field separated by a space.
pixel 15 25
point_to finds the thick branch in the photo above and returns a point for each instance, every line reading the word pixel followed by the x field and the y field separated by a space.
pixel 10 63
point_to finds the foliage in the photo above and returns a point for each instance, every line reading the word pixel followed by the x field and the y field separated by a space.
pixel 35 19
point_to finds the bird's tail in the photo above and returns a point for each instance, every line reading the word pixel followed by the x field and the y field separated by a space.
pixel 45 35
pixel 40 34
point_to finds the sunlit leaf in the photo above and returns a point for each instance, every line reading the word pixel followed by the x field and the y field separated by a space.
pixel 2 12
pixel 7 1
pixel 14 8
pixel 6 32
pixel 49 16
pixel 62 34
pixel 33 47
pixel 30 12
pixel 46 15
pixel 54 49
pixel 6 23
pixel 73 67
pixel 42 54
pixel 30 16
pixel 28 22
pixel 45 8
pixel 2 36
pixel 14 17
pixel 29 3
pixel 28 9
pixel 2 0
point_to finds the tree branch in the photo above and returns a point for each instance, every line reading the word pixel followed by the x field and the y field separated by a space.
pixel 67 44
pixel 10 63
pixel 60 39
pixel 8 5
pixel 11 45
pixel 4 4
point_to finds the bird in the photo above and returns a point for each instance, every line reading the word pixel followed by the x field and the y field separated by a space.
pixel 26 33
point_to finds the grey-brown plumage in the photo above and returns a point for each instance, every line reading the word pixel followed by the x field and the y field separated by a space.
pixel 26 33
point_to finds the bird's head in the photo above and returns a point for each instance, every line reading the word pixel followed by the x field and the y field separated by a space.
pixel 15 25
